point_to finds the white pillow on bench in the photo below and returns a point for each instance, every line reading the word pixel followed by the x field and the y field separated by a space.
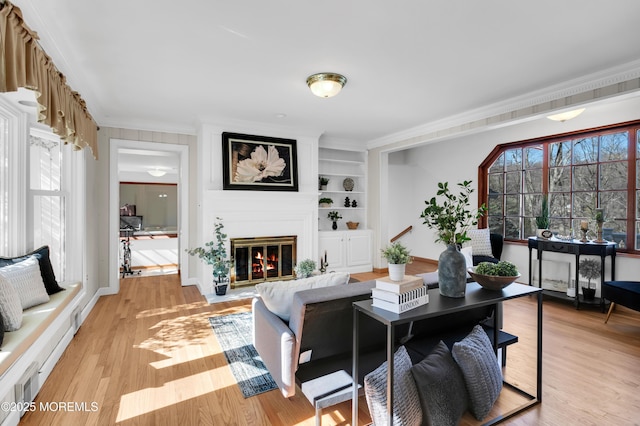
pixel 26 279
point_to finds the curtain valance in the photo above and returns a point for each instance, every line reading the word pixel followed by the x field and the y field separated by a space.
pixel 23 63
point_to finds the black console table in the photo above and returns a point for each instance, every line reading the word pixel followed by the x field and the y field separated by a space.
pixel 577 248
pixel 439 305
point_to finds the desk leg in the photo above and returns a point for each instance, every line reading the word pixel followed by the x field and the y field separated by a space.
pixel 602 261
pixel 390 373
pixel 577 300
pixel 354 371
pixel 539 360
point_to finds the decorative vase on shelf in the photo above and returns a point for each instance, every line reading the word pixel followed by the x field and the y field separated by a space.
pixel 335 225
pixel 396 271
pixel 348 184
pixel 452 272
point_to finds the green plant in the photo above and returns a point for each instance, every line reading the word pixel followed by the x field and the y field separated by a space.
pixel 590 269
pixel 542 221
pixel 323 180
pixel 214 253
pixel 334 215
pixel 305 268
pixel 599 216
pixel 453 217
pixel 397 254
pixel 325 201
pixel 502 269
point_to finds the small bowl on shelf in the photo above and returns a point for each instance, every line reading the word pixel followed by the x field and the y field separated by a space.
pixel 353 225
pixel 492 282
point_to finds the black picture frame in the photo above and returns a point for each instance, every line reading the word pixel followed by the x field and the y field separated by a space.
pixel 259 163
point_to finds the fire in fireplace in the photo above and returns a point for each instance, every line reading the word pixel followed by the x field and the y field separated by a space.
pixel 262 259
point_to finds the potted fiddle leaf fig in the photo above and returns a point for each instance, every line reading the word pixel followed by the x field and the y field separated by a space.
pixel 214 253
pixel 451 216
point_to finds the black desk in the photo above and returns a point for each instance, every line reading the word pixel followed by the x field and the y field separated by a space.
pixel 439 305
pixel 577 248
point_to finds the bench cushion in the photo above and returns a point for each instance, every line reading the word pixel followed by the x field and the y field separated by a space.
pixel 35 322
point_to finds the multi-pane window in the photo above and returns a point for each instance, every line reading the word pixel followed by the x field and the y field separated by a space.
pixel 47 198
pixel 579 173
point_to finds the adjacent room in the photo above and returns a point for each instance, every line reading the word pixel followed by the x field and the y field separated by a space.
pixel 354 213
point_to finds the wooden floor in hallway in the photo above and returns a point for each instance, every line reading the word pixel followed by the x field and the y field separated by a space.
pixel 148 356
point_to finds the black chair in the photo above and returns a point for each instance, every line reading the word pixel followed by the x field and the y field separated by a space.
pixel 625 293
pixel 497 241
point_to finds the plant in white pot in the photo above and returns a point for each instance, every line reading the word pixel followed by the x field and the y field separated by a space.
pixel 542 221
pixel 451 218
pixel 214 253
pixel 397 256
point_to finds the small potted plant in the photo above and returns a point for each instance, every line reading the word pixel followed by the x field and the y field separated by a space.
pixel 325 202
pixel 542 221
pixel 214 253
pixel 322 183
pixel 590 269
pixel 397 256
pixel 334 216
pixel 305 268
pixel 599 218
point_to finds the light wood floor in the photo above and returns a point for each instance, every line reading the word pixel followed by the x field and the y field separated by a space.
pixel 147 356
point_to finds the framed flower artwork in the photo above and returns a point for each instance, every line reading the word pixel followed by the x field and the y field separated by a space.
pixel 259 163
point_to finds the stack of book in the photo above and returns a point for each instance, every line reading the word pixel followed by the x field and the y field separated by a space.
pixel 399 296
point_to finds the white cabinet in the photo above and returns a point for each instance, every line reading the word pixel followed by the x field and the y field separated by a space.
pixel 338 166
pixel 347 250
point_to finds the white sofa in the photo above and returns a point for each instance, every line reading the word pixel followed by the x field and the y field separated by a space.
pixel 28 355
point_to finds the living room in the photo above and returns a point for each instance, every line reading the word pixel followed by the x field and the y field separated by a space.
pixel 445 143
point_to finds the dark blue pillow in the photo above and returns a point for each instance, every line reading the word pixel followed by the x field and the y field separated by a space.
pixel 46 270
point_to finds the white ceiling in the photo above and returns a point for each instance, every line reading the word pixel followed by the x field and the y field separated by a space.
pixel 170 65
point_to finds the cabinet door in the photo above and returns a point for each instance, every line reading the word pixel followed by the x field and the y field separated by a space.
pixel 332 243
pixel 358 248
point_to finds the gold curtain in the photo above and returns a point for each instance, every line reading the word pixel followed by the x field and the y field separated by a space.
pixel 23 63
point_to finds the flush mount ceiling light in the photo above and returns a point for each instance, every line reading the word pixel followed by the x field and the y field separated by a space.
pixel 326 84
pixel 156 172
pixel 567 115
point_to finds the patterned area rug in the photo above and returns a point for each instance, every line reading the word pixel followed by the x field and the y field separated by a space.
pixel 234 333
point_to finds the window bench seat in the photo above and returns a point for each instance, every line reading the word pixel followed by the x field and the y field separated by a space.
pixel 28 355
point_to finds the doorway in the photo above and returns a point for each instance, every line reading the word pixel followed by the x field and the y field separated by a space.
pixel 146 168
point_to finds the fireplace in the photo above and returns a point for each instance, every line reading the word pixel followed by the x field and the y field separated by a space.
pixel 262 259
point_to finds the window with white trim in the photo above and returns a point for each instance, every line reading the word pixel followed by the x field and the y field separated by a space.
pixel 579 172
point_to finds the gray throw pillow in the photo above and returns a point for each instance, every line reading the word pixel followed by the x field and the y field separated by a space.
pixel 480 369
pixel 10 306
pixel 406 403
pixel 26 279
pixel 441 388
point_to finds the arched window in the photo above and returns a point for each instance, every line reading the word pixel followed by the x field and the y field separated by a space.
pixel 579 172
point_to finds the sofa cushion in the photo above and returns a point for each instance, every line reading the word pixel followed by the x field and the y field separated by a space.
pixel 46 269
pixel 406 403
pixel 441 388
pixel 480 369
pixel 278 295
pixel 480 242
pixel 26 279
pixel 10 306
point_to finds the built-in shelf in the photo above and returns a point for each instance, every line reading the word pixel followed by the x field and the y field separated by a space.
pixel 338 165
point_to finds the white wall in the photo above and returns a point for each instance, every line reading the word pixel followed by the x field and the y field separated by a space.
pixel 255 213
pixel 416 171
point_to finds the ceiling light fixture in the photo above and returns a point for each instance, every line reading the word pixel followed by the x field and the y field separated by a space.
pixel 156 172
pixel 567 115
pixel 326 84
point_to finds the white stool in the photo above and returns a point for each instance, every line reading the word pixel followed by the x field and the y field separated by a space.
pixel 325 391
